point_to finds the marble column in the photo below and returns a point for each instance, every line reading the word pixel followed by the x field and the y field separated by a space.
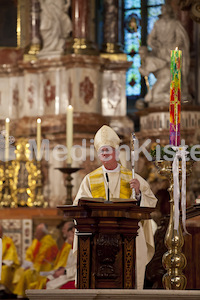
pixel 35 42
pixel 112 28
pixel 83 14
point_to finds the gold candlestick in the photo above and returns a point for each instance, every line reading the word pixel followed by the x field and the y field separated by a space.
pixel 174 261
pixel 68 171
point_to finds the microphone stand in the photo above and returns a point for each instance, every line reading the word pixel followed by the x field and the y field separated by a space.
pixel 108 191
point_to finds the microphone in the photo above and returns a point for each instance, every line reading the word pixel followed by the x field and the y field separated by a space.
pixel 108 194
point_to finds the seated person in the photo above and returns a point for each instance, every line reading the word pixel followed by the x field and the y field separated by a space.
pixel 64 277
pixel 40 256
pixel 63 258
pixel 10 263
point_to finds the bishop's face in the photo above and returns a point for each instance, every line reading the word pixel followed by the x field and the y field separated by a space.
pixel 108 157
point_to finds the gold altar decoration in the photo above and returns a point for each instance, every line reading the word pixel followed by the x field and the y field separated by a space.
pixel 21 179
pixel 39 197
pixel 81 46
pixel 174 261
pixel 7 200
pixel 24 175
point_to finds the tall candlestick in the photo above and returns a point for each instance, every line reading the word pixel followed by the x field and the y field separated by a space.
pixel 175 97
pixel 69 133
pixel 7 124
pixel 38 139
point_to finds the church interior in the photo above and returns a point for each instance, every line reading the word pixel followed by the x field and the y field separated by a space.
pixel 66 69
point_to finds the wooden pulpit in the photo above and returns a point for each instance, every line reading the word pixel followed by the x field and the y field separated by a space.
pixel 106 242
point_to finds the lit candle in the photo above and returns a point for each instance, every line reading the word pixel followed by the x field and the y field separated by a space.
pixel 175 97
pixel 69 133
pixel 7 124
pixel 38 138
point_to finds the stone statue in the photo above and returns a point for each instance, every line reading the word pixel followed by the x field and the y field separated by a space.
pixel 55 26
pixel 114 95
pixel 159 94
pixel 166 35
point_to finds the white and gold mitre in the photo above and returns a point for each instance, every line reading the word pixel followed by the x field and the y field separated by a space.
pixel 106 136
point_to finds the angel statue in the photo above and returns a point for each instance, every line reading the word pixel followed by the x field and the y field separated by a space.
pixel 167 34
pixel 55 26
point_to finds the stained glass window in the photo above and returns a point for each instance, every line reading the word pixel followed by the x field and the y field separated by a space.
pixel 134 32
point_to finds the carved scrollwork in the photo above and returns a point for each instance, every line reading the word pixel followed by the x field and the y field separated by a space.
pixel 107 248
pixel 84 262
pixel 129 262
pixel 193 6
pixel 195 12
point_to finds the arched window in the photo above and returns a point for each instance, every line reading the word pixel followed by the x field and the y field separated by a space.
pixel 139 18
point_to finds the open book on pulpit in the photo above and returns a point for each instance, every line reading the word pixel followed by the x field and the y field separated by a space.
pixel 102 200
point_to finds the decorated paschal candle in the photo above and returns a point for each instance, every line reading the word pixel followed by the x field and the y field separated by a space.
pixel 175 97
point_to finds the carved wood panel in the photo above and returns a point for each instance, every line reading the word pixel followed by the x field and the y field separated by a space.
pixel 84 262
pixel 191 250
pixel 129 262
pixel 107 253
pixel 107 248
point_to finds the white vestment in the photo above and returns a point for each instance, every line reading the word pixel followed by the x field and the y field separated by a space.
pixel 144 240
pixel 71 267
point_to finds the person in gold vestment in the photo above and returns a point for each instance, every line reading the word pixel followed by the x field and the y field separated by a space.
pixel 63 259
pixel 40 256
pixel 95 185
pixel 10 262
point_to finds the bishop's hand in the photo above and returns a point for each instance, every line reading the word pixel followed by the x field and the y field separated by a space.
pixel 135 184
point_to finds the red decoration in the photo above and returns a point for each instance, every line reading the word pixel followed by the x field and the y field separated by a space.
pixel 86 90
pixel 49 92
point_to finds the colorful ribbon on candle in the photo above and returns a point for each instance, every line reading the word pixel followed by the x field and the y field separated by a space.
pixel 181 153
pixel 175 97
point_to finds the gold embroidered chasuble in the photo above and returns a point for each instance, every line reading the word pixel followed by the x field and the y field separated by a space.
pixel 10 263
pixel 98 186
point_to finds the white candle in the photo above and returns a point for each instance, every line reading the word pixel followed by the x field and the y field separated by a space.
pixel 69 132
pixel 7 124
pixel 38 138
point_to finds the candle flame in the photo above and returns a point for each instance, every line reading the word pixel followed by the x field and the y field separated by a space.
pixel 7 120
pixel 176 49
pixel 70 106
pixel 38 120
